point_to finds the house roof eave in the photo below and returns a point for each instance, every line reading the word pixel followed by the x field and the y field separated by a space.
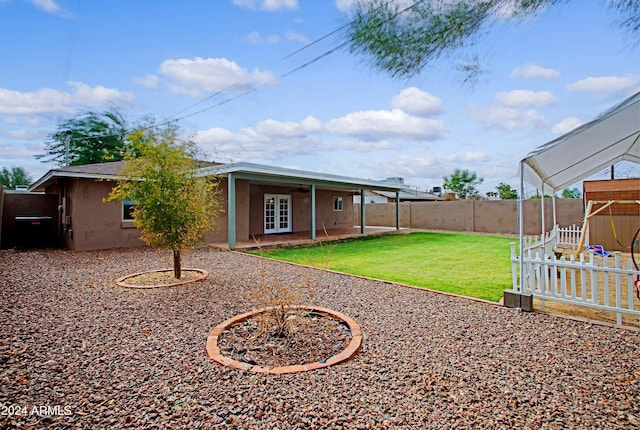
pixel 293 176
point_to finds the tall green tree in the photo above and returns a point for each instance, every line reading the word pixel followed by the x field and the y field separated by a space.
pixel 174 206
pixel 462 183
pixel 571 193
pixel 402 39
pixel 16 176
pixel 506 192
pixel 92 137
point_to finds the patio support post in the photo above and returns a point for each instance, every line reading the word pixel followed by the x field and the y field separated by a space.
pixel 231 210
pixel 521 225
pixel 363 221
pixel 397 210
pixel 312 198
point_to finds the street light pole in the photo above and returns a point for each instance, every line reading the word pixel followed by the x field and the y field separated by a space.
pixel 66 148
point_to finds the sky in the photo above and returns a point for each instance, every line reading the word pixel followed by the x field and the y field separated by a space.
pixel 243 78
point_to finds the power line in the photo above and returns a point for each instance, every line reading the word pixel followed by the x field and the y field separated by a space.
pixel 289 73
pixel 175 118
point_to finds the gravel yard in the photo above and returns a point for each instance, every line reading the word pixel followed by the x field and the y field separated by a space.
pixel 77 351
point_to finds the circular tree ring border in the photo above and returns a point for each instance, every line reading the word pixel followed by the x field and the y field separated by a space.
pixel 215 354
pixel 121 281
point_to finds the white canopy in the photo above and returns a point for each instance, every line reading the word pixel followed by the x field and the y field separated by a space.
pixel 612 137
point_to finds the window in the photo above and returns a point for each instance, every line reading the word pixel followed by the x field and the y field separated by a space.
pixel 127 210
pixel 337 203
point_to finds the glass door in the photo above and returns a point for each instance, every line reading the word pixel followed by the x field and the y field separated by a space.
pixel 277 213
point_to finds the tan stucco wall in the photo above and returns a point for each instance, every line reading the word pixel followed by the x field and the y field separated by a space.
pixel 97 225
pixel 300 209
pixel 486 216
pixel 242 213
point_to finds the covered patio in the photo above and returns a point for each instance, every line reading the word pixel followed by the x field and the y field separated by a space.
pixel 282 205
pixel 304 237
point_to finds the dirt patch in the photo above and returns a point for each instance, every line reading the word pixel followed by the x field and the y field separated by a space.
pixel 316 338
pixel 161 278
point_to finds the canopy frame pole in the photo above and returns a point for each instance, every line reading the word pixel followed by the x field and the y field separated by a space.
pixel 521 225
pixel 542 236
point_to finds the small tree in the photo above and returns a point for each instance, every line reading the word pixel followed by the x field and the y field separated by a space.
pixel 173 206
pixel 572 193
pixel 16 176
pixel 462 183
pixel 506 192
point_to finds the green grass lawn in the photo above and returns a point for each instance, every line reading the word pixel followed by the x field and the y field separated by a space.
pixel 470 265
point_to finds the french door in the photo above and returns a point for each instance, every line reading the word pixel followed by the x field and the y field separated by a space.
pixel 277 213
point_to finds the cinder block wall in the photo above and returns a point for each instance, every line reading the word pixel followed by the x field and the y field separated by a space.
pixel 485 216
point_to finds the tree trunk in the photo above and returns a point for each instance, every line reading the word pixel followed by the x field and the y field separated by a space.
pixel 177 272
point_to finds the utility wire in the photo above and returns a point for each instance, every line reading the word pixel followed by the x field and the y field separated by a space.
pixel 289 73
pixel 175 118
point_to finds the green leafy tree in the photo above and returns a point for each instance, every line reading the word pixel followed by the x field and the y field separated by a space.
pixel 462 183
pixel 403 40
pixel 174 206
pixel 506 192
pixel 572 193
pixel 93 137
pixel 16 176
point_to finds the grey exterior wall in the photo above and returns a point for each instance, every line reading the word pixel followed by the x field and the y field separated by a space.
pixel 485 216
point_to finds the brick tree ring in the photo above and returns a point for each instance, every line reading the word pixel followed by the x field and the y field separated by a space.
pixel 215 353
pixel 161 278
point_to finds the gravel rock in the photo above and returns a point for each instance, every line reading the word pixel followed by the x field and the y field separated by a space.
pixel 77 351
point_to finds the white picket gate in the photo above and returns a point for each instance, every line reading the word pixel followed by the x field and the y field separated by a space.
pixel 605 283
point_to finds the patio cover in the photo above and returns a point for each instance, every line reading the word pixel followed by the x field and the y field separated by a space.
pixel 612 137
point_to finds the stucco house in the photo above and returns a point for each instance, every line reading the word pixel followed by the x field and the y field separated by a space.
pixel 259 200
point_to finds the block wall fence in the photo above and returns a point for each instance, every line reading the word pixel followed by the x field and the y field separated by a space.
pixel 482 216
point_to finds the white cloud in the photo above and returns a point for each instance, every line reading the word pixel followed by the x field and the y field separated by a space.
pixel 526 98
pixel 269 5
pixel 426 166
pixel 475 156
pixel 606 85
pixel 377 125
pixel 294 36
pixel 29 134
pixel 250 144
pixel 49 100
pixel 345 5
pixel 255 38
pixel 98 95
pixel 212 75
pixel 507 118
pixel 366 146
pixel 414 101
pixel 49 6
pixel 533 71
pixel 278 129
pixel 149 81
pixel 566 125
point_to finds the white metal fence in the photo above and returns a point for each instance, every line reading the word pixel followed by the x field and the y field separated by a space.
pixel 604 283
